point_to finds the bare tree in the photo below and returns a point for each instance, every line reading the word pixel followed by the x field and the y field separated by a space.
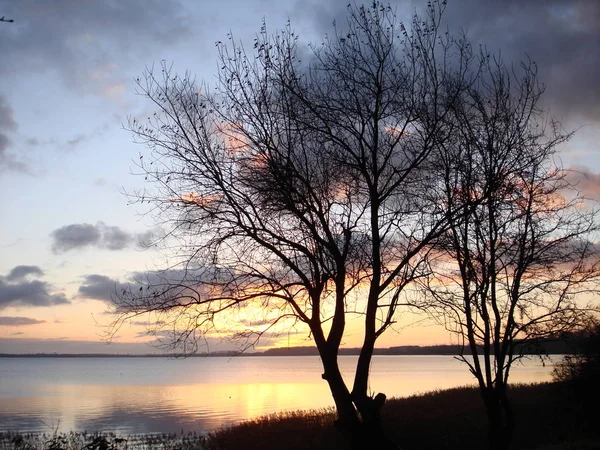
pixel 520 264
pixel 302 190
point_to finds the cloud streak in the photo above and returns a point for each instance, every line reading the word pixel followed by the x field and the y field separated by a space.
pixel 7 126
pixel 18 321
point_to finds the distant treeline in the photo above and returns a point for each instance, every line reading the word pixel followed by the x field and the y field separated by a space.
pixel 565 345
pixel 539 348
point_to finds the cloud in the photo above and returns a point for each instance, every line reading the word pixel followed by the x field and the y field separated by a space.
pixel 82 235
pixel 18 321
pixel 20 272
pixel 585 181
pixel 73 236
pixel 30 345
pixel 16 289
pixel 100 287
pixel 561 36
pixel 8 125
pixel 88 43
pixel 115 238
pixel 81 138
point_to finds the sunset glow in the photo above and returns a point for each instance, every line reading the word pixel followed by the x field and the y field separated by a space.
pixel 71 238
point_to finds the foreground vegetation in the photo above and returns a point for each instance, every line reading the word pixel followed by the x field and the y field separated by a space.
pixel 99 441
pixel 550 416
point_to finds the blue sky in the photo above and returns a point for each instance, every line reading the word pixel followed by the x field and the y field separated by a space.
pixel 66 88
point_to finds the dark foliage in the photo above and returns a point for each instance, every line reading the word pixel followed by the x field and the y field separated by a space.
pixel 581 370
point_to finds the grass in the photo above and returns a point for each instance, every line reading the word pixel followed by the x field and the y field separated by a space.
pixel 99 441
pixel 549 417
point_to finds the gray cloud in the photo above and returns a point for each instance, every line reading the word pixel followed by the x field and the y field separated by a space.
pixel 18 321
pixel 82 235
pixel 561 36
pixel 17 290
pixel 19 272
pixel 78 40
pixel 73 236
pixel 100 287
pixel 115 238
pixel 8 125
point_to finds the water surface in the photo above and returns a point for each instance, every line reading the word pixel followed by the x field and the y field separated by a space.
pixel 152 395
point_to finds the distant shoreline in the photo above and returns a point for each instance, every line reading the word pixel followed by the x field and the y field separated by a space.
pixel 547 348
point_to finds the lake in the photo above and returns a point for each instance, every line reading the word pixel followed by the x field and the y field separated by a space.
pixel 153 395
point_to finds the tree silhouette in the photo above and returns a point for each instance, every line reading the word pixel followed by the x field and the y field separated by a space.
pixel 516 266
pixel 304 191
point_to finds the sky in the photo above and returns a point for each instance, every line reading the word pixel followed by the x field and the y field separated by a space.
pixel 68 236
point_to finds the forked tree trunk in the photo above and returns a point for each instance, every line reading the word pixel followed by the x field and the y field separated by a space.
pixel 359 419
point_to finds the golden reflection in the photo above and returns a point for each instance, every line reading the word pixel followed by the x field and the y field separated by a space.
pixel 209 393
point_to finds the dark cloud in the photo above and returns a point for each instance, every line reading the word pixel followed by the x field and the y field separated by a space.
pixel 100 287
pixel 18 321
pixel 82 235
pixel 561 36
pixel 79 40
pixel 73 236
pixel 17 290
pixel 116 239
pixel 20 272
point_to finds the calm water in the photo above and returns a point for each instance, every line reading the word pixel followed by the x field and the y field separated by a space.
pixel 150 395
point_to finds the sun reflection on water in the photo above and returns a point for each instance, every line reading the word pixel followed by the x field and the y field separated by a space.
pixel 201 394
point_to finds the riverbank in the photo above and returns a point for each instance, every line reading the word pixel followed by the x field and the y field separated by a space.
pixel 550 416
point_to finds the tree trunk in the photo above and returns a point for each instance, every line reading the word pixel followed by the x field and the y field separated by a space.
pixel 359 420
pixel 372 434
pixel 500 419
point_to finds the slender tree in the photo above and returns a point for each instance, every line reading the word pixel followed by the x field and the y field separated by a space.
pixel 299 187
pixel 519 265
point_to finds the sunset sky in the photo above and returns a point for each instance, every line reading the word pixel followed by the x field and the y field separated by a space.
pixel 68 235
